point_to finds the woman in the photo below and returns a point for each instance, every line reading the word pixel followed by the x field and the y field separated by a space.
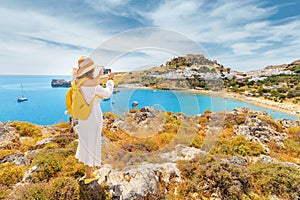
pixel 89 130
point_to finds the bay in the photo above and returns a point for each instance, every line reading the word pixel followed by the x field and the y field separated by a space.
pixel 46 105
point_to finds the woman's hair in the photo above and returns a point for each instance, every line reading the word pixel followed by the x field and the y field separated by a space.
pixel 89 74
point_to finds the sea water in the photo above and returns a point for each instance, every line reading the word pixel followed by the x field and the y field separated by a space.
pixel 46 105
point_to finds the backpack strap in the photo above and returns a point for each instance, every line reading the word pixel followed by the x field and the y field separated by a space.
pixel 81 81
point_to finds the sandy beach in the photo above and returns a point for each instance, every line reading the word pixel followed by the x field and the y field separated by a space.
pixel 287 107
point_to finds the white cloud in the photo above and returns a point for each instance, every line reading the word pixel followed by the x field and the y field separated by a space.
pixel 115 7
pixel 247 48
pixel 240 33
pixel 53 53
pixel 220 22
pixel 244 27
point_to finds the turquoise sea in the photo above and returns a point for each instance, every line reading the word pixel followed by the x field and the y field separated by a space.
pixel 46 105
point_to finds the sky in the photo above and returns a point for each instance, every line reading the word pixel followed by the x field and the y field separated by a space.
pixel 48 37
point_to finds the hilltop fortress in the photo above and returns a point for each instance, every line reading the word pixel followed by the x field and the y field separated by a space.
pixel 191 59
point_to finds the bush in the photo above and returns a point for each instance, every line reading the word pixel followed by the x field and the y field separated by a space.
pixel 49 164
pixel 146 145
pixel 4 191
pixel 203 120
pixel 6 152
pixel 197 141
pixel 29 143
pixel 203 179
pixel 292 147
pixel 64 125
pixel 64 140
pixel 238 146
pixel 32 191
pixel 51 145
pixel 275 179
pixel 63 188
pixel 27 129
pixel 10 174
pixel 71 167
pixel 164 138
pixel 294 133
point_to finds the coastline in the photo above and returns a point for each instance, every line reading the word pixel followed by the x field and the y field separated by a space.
pixel 285 107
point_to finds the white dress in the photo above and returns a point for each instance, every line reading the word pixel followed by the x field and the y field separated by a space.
pixel 89 130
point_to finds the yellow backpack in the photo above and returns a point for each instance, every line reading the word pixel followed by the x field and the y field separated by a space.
pixel 76 105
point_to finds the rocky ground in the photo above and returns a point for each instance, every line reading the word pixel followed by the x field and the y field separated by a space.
pixel 151 154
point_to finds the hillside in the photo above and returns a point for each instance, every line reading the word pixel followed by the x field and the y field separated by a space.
pixel 152 154
pixel 279 83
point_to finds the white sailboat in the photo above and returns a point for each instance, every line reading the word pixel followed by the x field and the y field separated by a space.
pixel 23 98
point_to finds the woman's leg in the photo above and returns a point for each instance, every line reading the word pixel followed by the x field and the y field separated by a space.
pixel 88 172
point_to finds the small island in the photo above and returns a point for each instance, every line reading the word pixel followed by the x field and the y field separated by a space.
pixel 60 83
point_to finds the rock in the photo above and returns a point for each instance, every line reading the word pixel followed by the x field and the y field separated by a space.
pixel 149 109
pixel 291 165
pixel 216 195
pixel 28 175
pixel 286 123
pixel 145 112
pixel 43 142
pixel 18 159
pixel 92 190
pixel 7 134
pixel 182 153
pixel 138 182
pixel 254 130
pixel 31 153
pixel 267 159
pixel 238 160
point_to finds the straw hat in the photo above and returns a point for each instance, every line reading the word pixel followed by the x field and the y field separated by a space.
pixel 85 64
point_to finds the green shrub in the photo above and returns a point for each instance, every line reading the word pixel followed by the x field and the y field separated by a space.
pixel 6 152
pixel 27 129
pixel 292 147
pixel 238 146
pixel 275 179
pixel 63 188
pixel 71 167
pixel 65 125
pixel 51 145
pixel 64 140
pixel 294 130
pixel 197 141
pixel 10 174
pixel 49 163
pixel 4 191
pixel 146 145
pixel 233 181
pixel 165 138
pixel 294 133
pixel 32 191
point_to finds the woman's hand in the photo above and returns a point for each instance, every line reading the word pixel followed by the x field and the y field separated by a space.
pixel 111 76
pixel 101 71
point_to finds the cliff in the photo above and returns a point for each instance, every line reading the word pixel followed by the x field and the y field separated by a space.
pixel 152 154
